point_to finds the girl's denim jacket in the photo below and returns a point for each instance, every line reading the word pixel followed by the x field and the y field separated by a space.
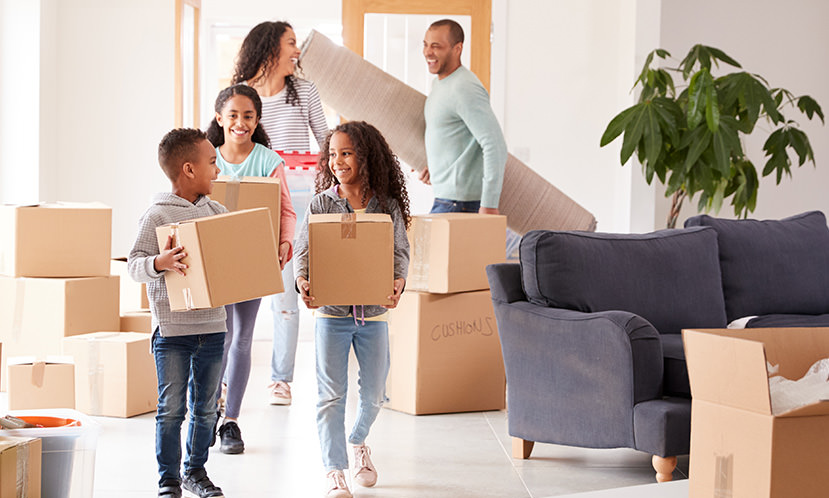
pixel 329 201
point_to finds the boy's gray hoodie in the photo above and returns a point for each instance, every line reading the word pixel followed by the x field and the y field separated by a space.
pixel 170 208
pixel 329 201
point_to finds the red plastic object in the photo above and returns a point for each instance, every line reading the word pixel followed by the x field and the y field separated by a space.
pixel 299 160
pixel 51 421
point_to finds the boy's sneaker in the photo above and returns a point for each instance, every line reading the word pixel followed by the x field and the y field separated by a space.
pixel 337 487
pixel 280 393
pixel 169 488
pixel 364 472
pixel 231 438
pixel 197 483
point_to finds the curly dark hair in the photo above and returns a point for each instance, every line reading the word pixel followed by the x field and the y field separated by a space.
pixel 260 50
pixel 179 146
pixel 216 134
pixel 378 167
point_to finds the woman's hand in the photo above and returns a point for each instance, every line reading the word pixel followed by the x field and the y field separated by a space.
pixel 399 283
pixel 284 253
pixel 304 292
pixel 170 258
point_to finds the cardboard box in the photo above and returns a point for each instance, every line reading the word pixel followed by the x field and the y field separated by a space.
pixel 20 468
pixel 37 313
pixel 34 383
pixel 450 251
pixel 445 354
pixel 115 373
pixel 231 258
pixel 739 449
pixel 251 192
pixel 55 240
pixel 133 294
pixel 351 258
pixel 137 321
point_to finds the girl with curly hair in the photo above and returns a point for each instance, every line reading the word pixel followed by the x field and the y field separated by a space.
pixel 267 61
pixel 357 173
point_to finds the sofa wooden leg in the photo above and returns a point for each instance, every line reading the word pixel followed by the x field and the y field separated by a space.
pixel 521 448
pixel 664 467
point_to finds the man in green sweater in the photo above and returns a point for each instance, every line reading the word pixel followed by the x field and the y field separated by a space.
pixel 465 147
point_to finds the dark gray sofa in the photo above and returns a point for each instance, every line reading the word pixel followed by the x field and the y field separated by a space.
pixel 590 323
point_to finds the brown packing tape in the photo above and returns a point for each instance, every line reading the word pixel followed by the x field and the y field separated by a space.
pixel 232 194
pixel 22 472
pixel 96 374
pixel 38 372
pixel 348 226
pixel 361 91
pixel 420 250
pixel 724 476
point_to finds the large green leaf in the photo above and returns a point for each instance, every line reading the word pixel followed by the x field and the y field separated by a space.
pixel 712 110
pixel 651 134
pixel 810 107
pixel 617 126
pixel 633 131
pixel 697 96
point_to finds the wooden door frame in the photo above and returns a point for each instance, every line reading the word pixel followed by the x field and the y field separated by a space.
pixel 180 62
pixel 480 11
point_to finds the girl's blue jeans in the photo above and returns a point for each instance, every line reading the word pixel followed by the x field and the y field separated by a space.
pixel 188 367
pixel 334 339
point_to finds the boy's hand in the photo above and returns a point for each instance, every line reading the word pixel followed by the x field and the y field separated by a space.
pixel 284 250
pixel 399 283
pixel 170 258
pixel 304 292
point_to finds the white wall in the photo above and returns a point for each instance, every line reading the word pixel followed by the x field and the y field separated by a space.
pixel 784 42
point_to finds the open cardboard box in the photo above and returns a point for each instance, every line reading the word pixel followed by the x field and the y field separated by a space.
pixel 738 447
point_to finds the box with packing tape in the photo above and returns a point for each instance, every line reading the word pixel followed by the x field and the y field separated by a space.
pixel 250 192
pixel 230 258
pixel 450 251
pixel 445 354
pixel 350 258
pixel 739 447
pixel 20 470
pixel 63 239
pixel 115 373
pixel 35 383
pixel 37 313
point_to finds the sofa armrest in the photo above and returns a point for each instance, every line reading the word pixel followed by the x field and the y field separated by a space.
pixel 505 282
pixel 574 377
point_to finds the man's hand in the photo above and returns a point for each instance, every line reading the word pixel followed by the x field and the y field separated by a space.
pixel 399 283
pixel 170 258
pixel 483 210
pixel 284 250
pixel 304 292
pixel 423 175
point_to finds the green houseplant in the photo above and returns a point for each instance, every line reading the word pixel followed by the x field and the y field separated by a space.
pixel 692 140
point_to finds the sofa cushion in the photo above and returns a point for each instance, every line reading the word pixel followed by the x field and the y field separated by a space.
pixel 670 277
pixel 766 321
pixel 773 266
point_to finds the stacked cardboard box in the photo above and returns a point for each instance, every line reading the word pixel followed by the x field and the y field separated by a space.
pixel 54 276
pixel 445 351
pixel 20 467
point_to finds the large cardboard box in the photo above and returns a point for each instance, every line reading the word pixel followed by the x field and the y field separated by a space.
pixel 115 373
pixel 133 294
pixel 231 257
pixel 450 251
pixel 20 468
pixel 35 384
pixel 350 258
pixel 445 354
pixel 137 321
pixel 250 192
pixel 37 313
pixel 739 448
pixel 55 240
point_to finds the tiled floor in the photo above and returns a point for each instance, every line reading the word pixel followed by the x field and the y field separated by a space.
pixel 451 456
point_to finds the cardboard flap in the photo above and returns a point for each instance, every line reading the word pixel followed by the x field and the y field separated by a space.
pixel 360 218
pixel 727 370
pixel 246 179
pixel 815 409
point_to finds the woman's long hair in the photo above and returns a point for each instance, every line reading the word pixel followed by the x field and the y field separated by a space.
pixel 260 51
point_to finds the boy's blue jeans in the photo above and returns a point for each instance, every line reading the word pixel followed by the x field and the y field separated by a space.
pixel 187 366
pixel 334 338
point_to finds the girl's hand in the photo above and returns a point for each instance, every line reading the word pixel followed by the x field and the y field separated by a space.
pixel 284 250
pixel 170 258
pixel 304 292
pixel 399 283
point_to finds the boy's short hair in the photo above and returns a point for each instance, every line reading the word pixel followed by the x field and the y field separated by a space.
pixel 179 146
